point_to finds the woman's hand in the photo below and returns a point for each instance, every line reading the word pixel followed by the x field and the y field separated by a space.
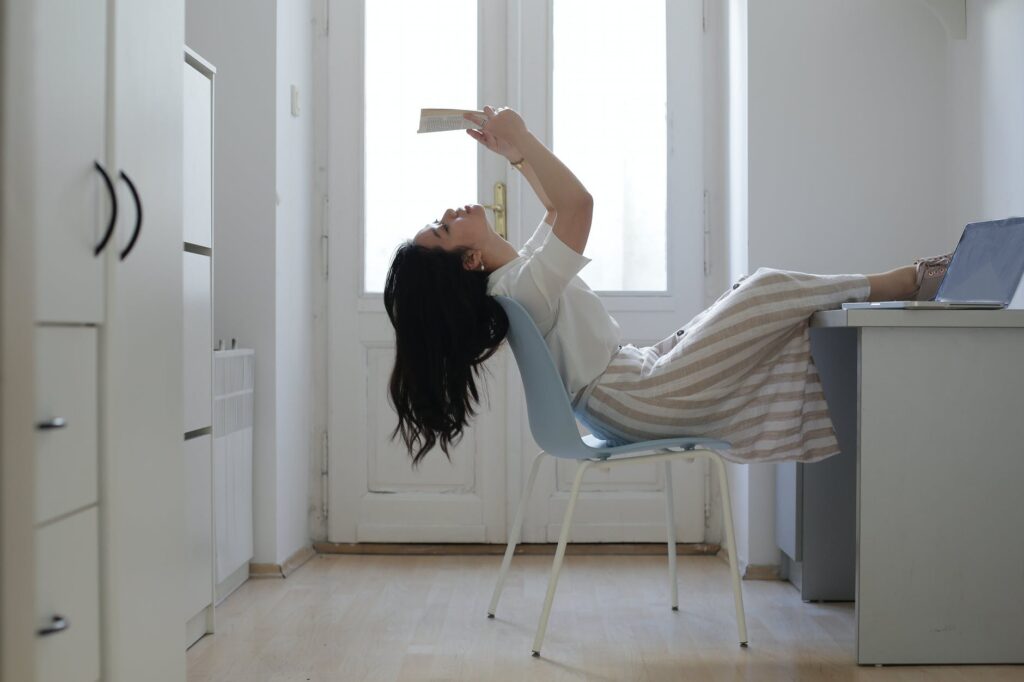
pixel 499 130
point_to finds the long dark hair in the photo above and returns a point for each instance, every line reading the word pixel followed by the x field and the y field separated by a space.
pixel 446 326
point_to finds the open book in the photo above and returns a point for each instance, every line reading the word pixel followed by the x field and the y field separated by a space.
pixel 437 120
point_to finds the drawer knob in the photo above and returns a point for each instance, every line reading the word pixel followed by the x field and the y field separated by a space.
pixel 55 423
pixel 57 624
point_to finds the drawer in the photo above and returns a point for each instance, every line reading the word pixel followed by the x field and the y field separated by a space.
pixel 66 388
pixel 198 524
pixel 198 343
pixel 68 585
pixel 197 192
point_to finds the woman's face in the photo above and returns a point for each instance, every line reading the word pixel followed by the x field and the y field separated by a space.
pixel 463 227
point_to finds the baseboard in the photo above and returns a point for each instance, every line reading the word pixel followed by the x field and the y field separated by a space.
pixel 762 572
pixel 755 571
pixel 543 548
pixel 227 586
pixel 198 625
pixel 282 570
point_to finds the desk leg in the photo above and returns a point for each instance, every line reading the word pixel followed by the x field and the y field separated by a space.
pixel 940 473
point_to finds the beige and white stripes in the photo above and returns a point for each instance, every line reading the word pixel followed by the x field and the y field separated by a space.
pixel 740 370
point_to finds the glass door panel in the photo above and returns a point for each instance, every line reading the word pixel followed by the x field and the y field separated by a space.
pixel 418 55
pixel 609 126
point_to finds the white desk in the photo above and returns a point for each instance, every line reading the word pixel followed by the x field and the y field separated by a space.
pixel 940 481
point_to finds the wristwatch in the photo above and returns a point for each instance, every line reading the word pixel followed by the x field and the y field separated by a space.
pixel 518 165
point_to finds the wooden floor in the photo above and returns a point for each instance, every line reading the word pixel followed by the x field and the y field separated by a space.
pixel 356 617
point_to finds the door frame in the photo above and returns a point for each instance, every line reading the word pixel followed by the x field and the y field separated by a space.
pixel 344 56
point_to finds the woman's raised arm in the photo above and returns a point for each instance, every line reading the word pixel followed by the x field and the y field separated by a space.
pixel 570 200
pixel 514 156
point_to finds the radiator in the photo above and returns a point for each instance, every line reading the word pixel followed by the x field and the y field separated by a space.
pixel 232 464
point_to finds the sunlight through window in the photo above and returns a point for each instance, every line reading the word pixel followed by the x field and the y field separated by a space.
pixel 609 127
pixel 418 54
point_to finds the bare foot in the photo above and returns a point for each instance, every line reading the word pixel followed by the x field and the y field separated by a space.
pixel 896 285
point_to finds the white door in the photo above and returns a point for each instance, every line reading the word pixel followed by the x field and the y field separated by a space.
pixel 387 59
pixel 611 86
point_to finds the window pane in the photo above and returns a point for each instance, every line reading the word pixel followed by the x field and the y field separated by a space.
pixel 609 113
pixel 418 55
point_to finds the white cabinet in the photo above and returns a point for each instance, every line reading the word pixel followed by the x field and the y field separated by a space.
pixel 95 94
pixel 197 334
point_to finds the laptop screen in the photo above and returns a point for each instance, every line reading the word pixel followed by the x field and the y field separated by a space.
pixel 987 264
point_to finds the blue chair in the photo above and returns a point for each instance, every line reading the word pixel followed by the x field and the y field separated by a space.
pixel 553 426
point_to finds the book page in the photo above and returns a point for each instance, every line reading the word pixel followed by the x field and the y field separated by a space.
pixel 438 120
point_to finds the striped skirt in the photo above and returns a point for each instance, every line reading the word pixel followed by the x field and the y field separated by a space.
pixel 740 370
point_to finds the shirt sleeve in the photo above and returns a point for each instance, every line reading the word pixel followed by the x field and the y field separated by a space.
pixel 546 273
pixel 535 242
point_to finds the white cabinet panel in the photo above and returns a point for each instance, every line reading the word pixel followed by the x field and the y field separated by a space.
pixel 233 483
pixel 66 457
pixel 198 343
pixel 69 54
pixel 198 208
pixel 198 525
pixel 232 457
pixel 67 584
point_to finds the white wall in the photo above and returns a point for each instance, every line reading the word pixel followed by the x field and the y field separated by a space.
pixel 294 273
pixel 986 105
pixel 237 37
pixel 263 201
pixel 847 134
pixel 847 146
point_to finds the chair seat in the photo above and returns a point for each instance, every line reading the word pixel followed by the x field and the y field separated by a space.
pixel 603 450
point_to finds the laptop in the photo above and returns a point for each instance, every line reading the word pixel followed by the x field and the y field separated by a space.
pixel 984 273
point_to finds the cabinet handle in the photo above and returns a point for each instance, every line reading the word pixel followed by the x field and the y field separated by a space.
pixel 113 211
pixel 55 423
pixel 138 216
pixel 57 624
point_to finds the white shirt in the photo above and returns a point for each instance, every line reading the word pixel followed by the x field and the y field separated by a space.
pixel 580 333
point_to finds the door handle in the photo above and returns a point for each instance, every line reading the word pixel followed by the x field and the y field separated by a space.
pixel 98 249
pixel 499 210
pixel 138 215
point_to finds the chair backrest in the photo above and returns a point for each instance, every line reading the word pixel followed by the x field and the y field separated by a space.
pixel 551 418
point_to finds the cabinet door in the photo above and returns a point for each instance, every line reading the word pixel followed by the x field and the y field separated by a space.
pixel 198 130
pixel 198 343
pixel 142 491
pixel 67 585
pixel 198 524
pixel 70 198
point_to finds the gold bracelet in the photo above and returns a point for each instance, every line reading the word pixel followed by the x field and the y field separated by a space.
pixel 518 165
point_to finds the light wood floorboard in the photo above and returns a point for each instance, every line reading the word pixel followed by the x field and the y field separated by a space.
pixel 406 618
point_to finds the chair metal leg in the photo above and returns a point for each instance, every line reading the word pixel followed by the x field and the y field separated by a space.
pixel 514 538
pixel 730 543
pixel 670 512
pixel 559 555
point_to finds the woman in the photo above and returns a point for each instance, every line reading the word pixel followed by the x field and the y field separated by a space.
pixel 740 370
